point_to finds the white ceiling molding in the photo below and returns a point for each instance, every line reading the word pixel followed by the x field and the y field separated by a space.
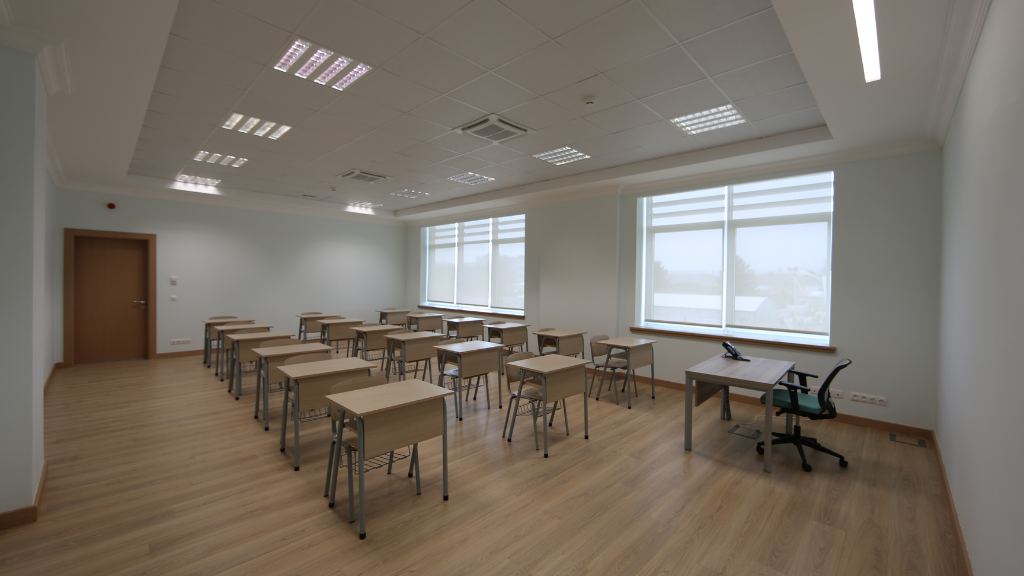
pixel 56 68
pixel 53 162
pixel 963 27
pixel 6 18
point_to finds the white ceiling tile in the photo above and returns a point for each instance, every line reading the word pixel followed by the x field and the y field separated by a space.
pixel 620 158
pixel 352 155
pixel 809 118
pixel 604 92
pixel 740 44
pixel 315 139
pixel 538 114
pixel 556 17
pixel 496 153
pixel 669 147
pixel 440 170
pixel 388 90
pixel 198 90
pixel 404 162
pixel 449 113
pixel 730 135
pixel 416 14
pixel 301 178
pixel 162 172
pixel 761 78
pixel 691 98
pixel 652 134
pixel 492 94
pixel 236 138
pixel 227 30
pixel 574 130
pixel 356 31
pixel 162 147
pixel 336 127
pixel 287 15
pixel 238 150
pixel 386 141
pixel 429 64
pixel 274 110
pixel 289 88
pixel 661 71
pixel 176 125
pixel 546 69
pixel 461 143
pixel 689 18
pixel 777 103
pixel 488 33
pixel 440 186
pixel 623 117
pixel 430 152
pixel 416 128
pixel 195 59
pixel 620 36
pixel 384 168
pixel 181 108
pixel 533 144
pixel 604 145
pixel 466 163
pixel 170 160
pixel 361 111
pixel 260 161
pixel 497 172
pixel 295 149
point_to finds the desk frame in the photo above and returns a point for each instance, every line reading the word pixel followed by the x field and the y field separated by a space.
pixel 544 398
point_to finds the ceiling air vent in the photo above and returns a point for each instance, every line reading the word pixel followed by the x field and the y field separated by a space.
pixel 363 176
pixel 494 129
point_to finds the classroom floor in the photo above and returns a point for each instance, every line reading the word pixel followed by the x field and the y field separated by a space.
pixel 155 469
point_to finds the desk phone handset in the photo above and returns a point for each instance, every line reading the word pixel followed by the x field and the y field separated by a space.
pixel 732 352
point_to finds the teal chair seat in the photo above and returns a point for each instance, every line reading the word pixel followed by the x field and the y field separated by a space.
pixel 808 403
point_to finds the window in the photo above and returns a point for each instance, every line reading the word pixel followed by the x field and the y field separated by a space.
pixel 478 265
pixel 751 260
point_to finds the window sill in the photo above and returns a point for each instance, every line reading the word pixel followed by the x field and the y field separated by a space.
pixel 471 311
pixel 734 339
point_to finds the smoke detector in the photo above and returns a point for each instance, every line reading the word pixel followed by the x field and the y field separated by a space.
pixel 493 128
pixel 361 176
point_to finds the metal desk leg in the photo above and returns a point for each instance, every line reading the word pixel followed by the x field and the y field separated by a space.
pixel 333 473
pixel 216 364
pixel 266 394
pixel 499 380
pixel 206 346
pixel 515 409
pixel 259 370
pixel 458 392
pixel 629 365
pixel 652 372
pixel 544 409
pixel 296 392
pixel 688 414
pixel 586 414
pixel 362 483
pixel 236 370
pixel 768 407
pixel 789 416
pixel 284 412
pixel 444 446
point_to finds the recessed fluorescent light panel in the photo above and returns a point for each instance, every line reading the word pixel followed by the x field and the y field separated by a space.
pixel 197 180
pixel 313 63
pixel 298 48
pixel 563 155
pixel 352 76
pixel 222 159
pixel 202 154
pixel 213 158
pixel 410 193
pixel 365 205
pixel 332 70
pixel 239 162
pixel 279 132
pixel 265 128
pixel 867 33
pixel 247 126
pixel 234 119
pixel 319 62
pixel 709 120
pixel 470 178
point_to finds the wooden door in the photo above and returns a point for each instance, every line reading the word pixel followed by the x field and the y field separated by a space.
pixel 110 299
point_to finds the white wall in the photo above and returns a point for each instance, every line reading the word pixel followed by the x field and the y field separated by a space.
pixel 581 262
pixel 980 387
pixel 246 263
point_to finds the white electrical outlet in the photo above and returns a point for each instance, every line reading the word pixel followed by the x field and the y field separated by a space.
pixel 869 399
pixel 833 393
pixel 177 341
pixel 814 390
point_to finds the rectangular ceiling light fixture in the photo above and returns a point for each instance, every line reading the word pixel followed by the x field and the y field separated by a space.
pixel 563 155
pixel 410 193
pixel 249 124
pixel 279 132
pixel 224 160
pixel 227 160
pixel 314 62
pixel 332 70
pixel 213 158
pixel 265 128
pixel 202 154
pixel 296 51
pixel 355 74
pixel 365 205
pixel 470 178
pixel 239 162
pixel 197 180
pixel 867 33
pixel 230 123
pixel 709 120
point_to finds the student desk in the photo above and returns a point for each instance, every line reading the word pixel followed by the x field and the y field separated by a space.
pixel 560 378
pixel 307 385
pixel 274 357
pixel 509 334
pixel 302 322
pixel 222 352
pixel 393 316
pixel 207 324
pixel 467 327
pixel 241 351
pixel 639 353
pixel 370 337
pixel 414 346
pixel 425 322
pixel 388 417
pixel 473 359
pixel 759 374
pixel 567 342
pixel 338 329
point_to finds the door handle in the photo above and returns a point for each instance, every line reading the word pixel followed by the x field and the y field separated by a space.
pixel 138 301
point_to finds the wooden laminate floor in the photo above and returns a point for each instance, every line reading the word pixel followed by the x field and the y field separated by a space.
pixel 155 469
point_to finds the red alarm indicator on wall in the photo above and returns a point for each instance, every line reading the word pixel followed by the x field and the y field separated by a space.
pixel 111 205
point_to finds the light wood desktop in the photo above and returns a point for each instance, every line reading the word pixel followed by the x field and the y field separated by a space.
pixel 337 330
pixel 567 342
pixel 215 338
pixel 410 347
pixel 370 337
pixel 241 351
pixel 307 385
pixel 222 350
pixel 639 352
pixel 718 373
pixel 388 417
pixel 308 316
pixel 207 325
pixel 561 377
pixel 467 327
pixel 394 316
pixel 425 321
pixel 473 359
pixel 269 365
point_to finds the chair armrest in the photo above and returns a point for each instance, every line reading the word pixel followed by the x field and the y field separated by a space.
pixel 804 374
pixel 794 386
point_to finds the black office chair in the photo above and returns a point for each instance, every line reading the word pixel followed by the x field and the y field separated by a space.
pixel 810 407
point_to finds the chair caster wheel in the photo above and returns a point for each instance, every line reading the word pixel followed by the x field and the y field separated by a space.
pixel 805 466
pixel 843 463
pixel 760 450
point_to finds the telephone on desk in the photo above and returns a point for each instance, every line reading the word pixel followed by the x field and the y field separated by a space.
pixel 732 352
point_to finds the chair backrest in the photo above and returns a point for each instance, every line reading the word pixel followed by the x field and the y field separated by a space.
pixel 314 326
pixel 451 358
pixel 823 397
pixel 512 372
pixel 598 349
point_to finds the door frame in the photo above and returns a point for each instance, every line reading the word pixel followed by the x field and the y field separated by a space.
pixel 69 287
